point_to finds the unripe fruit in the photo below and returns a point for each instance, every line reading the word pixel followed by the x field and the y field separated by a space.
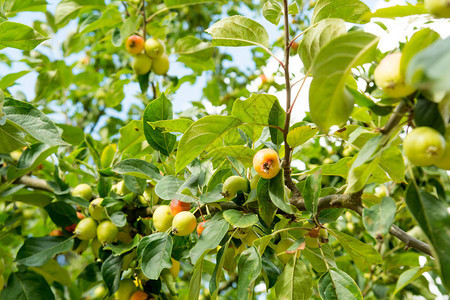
pixel 86 229
pixel 161 65
pixel 83 191
pixel 16 154
pixel 281 249
pixel 444 161
pixel 134 44
pixel 254 182
pixel 389 78
pixel 381 191
pixel 96 210
pixel 438 8
pixel 424 146
pixel 124 237
pixel 162 218
pixel 200 227
pixel 126 289
pixel 107 232
pixel 2 266
pixel 141 64
pixel 321 237
pixel 150 195
pixel 249 238
pixel 100 292
pixel 175 269
pixel 83 245
pixel 154 48
pixel 139 295
pixel 56 232
pixel 184 223
pixel 266 163
pixel 72 227
pixel 233 184
pixel 95 246
pixel 177 206
pixel 121 189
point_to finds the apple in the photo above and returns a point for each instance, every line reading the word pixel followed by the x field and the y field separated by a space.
pixel 161 65
pixel 96 210
pixel 83 191
pixel 162 218
pixel 126 289
pixel 438 8
pixel 233 184
pixel 184 223
pixel 267 163
pixel 107 232
pixel 154 48
pixel 134 44
pixel 424 146
pixel 86 229
pixel 141 64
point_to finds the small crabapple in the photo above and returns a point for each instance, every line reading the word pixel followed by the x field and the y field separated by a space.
pixel 96 210
pixel 161 65
pixel 86 229
pixel 154 48
pixel 134 44
pixel 162 218
pixel 177 206
pixel 83 191
pixel 233 184
pixel 183 223
pixel 266 163
pixel 107 232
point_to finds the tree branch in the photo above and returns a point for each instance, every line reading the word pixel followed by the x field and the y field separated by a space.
pixel 35 183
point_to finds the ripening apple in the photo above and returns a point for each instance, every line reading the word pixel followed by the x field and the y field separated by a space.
pixel 438 8
pixel 161 64
pixel 424 146
pixel 139 295
pixel 83 191
pixel 134 44
pixel 177 206
pixel 86 229
pixel 72 227
pixel 107 232
pixel 162 218
pixel 389 77
pixel 444 161
pixel 184 223
pixel 154 48
pixel 201 227
pixel 267 163
pixel 233 184
pixel 141 64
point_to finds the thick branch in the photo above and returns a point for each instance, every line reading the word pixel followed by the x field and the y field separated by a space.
pixel 395 118
pixel 35 183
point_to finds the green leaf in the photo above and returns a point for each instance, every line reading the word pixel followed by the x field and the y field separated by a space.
pixel 69 9
pixel 61 213
pixel 109 18
pixel 267 209
pixel 428 69
pixel 255 110
pixel 71 134
pixel 272 11
pixel 238 31
pixel 31 120
pixel 167 188
pixel 53 272
pixel 19 36
pixel 196 279
pixel 36 198
pixel 177 125
pixel 36 251
pixel 379 218
pixel 211 236
pixel 129 26
pixel 315 257
pixel 317 37
pixel 217 275
pixel 434 219
pixel 311 191
pixel 249 267
pixel 194 48
pixel 277 115
pixel 358 177
pixel 407 277
pixel 348 10
pixel 242 153
pixel 30 159
pixel 239 219
pixel 123 248
pixel 159 109
pixel 295 283
pixel 336 284
pixel 200 135
pixel 419 41
pixel 156 255
pixel 130 134
pixel 392 162
pixel 364 255
pixel 138 168
pixel 300 135
pixel 339 168
pixel 277 193
pixel 26 286
pixel 14 6
pixel 396 12
pixel 92 272
pixel 329 101
pixel 111 272
pixel 9 79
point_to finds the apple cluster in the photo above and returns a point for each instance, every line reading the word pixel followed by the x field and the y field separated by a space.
pixel 176 217
pixel 148 56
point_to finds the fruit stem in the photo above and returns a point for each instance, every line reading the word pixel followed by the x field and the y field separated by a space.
pixel 201 213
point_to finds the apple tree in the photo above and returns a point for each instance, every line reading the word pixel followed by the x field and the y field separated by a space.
pixel 235 197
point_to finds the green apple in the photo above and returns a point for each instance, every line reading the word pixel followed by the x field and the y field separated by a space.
pixel 96 210
pixel 141 64
pixel 86 229
pixel 233 184
pixel 126 289
pixel 150 195
pixel 438 8
pixel 95 246
pixel 154 48
pixel 161 65
pixel 389 77
pixel 184 223
pixel 121 189
pixel 162 218
pixel 107 232
pixel 83 191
